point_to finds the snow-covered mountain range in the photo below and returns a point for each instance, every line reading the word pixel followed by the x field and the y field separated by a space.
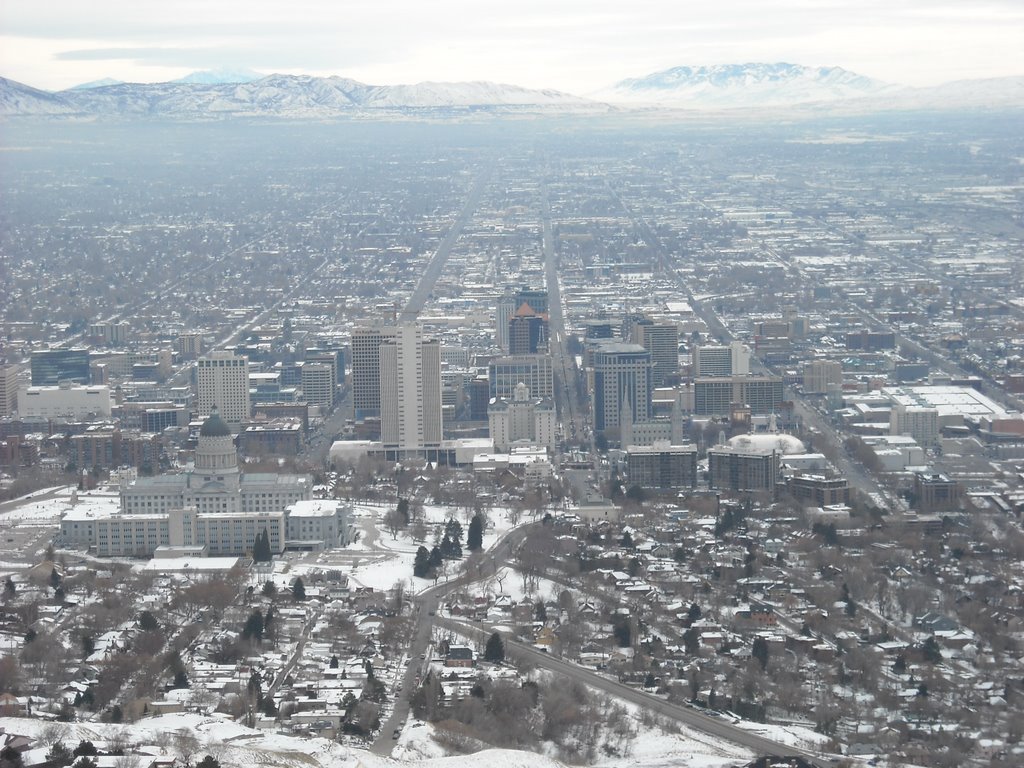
pixel 756 86
pixel 294 96
pixel 747 85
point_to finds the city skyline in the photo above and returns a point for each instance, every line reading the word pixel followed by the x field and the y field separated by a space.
pixel 577 48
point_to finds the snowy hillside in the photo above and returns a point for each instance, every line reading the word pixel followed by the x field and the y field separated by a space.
pixel 274 96
pixel 753 84
pixel 19 99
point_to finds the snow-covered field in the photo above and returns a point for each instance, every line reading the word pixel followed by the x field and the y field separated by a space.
pixel 47 511
pixel 237 746
pixel 379 560
pixel 234 745
pixel 653 748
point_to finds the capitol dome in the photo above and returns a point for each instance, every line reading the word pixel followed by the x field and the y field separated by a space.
pixel 214 426
pixel 787 445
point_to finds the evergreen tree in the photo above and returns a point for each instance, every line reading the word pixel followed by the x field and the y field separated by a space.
pixel 208 762
pixel 475 537
pixel 622 631
pixel 255 690
pixel 269 589
pixel 495 649
pixel 436 558
pixel 148 622
pixel 760 651
pixel 453 531
pixel 180 679
pixel 334 662
pixel 540 611
pixel 450 548
pixel 11 758
pixel 403 511
pixel 421 565
pixel 299 589
pixel 691 641
pixel 694 613
pixel 85 748
pixel 254 626
pixel 261 552
pixel 9 587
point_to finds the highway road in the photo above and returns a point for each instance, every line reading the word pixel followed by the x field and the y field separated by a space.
pixel 572 412
pixel 440 258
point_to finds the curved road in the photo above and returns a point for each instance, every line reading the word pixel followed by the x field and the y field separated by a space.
pixel 698 721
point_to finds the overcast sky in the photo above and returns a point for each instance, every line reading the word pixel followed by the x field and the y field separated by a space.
pixel 572 45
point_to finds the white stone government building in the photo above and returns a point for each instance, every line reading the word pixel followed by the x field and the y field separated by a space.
pixel 213 510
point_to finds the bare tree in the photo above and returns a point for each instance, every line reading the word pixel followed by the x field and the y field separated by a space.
pixel 186 745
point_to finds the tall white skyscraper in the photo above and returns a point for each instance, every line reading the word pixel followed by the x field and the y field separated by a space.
pixel 222 380
pixel 410 392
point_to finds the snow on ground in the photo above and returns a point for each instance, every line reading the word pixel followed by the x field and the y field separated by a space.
pixel 388 559
pixel 234 745
pixel 48 511
pixel 653 748
pixel 488 758
pixel 794 735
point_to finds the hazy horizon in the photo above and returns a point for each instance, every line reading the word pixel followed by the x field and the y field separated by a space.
pixel 577 47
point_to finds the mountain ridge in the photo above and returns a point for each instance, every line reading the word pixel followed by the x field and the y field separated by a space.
pixel 748 84
pixel 738 88
pixel 272 96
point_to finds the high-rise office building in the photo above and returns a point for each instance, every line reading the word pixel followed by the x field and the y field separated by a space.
pixel 537 298
pixel 622 375
pixel 535 371
pixel 190 345
pixel 222 380
pixel 662 341
pixel 527 331
pixel 917 422
pixel 366 367
pixel 716 395
pixel 8 389
pixel 819 374
pixel 738 469
pixel 510 303
pixel 52 366
pixel 318 383
pixel 502 314
pixel 410 392
pixel 727 360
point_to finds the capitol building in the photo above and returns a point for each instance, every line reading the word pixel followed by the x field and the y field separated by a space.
pixel 213 509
